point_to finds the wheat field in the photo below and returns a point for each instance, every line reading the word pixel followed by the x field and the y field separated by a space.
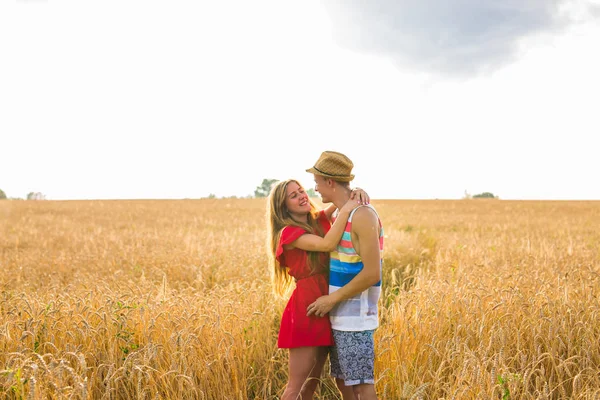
pixel 171 299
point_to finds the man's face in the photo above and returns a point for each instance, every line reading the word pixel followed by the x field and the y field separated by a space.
pixel 322 187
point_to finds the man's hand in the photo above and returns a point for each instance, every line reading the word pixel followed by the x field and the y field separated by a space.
pixel 320 307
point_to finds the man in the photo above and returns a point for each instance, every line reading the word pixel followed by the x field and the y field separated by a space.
pixel 354 280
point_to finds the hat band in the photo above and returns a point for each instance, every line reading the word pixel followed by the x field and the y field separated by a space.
pixel 327 173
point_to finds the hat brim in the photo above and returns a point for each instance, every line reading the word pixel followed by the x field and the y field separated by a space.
pixel 340 178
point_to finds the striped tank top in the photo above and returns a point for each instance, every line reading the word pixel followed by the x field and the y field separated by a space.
pixel 358 313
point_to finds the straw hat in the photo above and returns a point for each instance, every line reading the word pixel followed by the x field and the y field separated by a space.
pixel 333 165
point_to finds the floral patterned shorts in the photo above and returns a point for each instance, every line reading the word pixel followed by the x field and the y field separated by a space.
pixel 353 357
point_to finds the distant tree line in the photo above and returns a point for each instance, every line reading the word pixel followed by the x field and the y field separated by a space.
pixel 265 187
pixel 261 191
pixel 30 196
pixel 484 195
pixel 214 196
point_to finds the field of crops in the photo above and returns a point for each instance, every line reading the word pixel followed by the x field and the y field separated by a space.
pixel 171 299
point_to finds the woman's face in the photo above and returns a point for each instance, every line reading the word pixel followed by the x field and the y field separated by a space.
pixel 296 200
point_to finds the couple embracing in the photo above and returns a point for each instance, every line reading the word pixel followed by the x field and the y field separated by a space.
pixel 334 257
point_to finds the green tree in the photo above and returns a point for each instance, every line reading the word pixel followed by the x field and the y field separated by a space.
pixel 265 187
pixel 311 193
pixel 485 195
pixel 2 195
pixel 35 196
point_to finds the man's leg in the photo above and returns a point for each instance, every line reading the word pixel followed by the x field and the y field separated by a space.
pixel 365 391
pixel 336 371
pixel 346 391
pixel 355 358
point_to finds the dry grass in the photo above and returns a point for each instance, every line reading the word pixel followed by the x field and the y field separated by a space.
pixel 171 299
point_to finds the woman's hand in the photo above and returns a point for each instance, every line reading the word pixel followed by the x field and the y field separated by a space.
pixel 350 205
pixel 361 195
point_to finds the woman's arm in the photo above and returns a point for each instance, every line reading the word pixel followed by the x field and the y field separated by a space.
pixel 311 242
pixel 357 193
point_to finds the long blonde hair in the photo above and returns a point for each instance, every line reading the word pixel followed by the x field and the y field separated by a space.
pixel 278 217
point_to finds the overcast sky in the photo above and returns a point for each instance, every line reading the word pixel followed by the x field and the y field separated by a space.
pixel 181 99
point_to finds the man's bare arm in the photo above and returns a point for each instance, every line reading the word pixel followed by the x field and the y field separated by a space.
pixel 366 227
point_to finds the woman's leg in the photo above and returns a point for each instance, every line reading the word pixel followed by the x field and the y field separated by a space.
pixel 306 365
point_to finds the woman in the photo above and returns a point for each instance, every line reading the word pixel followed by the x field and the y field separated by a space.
pixel 300 238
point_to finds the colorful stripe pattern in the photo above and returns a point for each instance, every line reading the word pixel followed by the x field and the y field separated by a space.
pixel 360 312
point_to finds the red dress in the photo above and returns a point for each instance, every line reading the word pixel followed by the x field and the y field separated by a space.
pixel 297 329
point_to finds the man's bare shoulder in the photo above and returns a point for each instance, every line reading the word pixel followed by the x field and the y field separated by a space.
pixel 365 217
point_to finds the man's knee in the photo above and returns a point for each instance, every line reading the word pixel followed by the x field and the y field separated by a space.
pixel 364 391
